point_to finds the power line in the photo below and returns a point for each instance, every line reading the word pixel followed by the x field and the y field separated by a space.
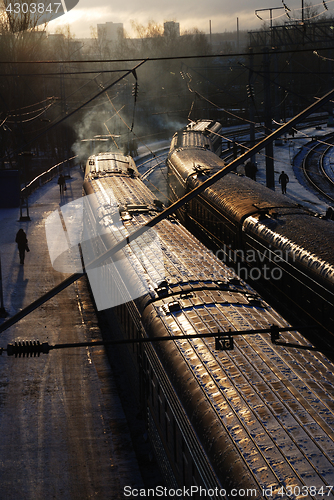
pixel 130 71
pixel 164 58
pixel 65 73
pixel 223 341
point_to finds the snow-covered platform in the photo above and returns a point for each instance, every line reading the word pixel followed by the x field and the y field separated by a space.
pixel 288 155
pixel 63 431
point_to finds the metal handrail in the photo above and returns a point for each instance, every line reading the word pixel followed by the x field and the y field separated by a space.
pixel 42 178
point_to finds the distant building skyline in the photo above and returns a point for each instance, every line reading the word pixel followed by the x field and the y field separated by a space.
pixel 215 16
pixel 110 31
pixel 171 28
pixel 109 34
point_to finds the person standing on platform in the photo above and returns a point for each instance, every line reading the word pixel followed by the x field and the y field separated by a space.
pixel 22 243
pixel 283 180
pixel 250 170
pixel 62 185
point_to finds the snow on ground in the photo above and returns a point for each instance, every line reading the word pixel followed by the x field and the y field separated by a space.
pixel 288 156
pixel 64 434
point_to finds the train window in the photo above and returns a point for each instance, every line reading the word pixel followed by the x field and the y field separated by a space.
pixel 222 231
pixel 153 386
pixel 145 362
pixel 159 403
pixel 194 474
pixel 167 421
pixel 175 441
pixel 184 461
pixel 126 321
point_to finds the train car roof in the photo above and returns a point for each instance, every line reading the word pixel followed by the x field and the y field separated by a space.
pixel 272 404
pixel 116 163
pixel 188 165
pixel 190 139
pixel 240 197
pixel 204 126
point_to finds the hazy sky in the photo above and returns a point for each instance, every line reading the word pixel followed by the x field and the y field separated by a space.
pixel 189 13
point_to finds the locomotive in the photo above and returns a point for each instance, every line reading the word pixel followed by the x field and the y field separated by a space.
pixel 233 407
pixel 273 242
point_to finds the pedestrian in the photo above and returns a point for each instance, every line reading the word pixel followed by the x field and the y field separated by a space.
pixel 250 170
pixel 283 180
pixel 62 185
pixel 330 213
pixel 247 169
pixel 253 171
pixel 22 243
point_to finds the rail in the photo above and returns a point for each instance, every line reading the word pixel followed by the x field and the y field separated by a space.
pixel 43 178
pixel 322 165
pixel 314 171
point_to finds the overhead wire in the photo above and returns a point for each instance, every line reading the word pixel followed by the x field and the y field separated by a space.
pixel 202 97
pixel 35 103
pixel 61 120
pixel 41 110
pixel 130 129
pixel 322 4
pixel 161 58
pixel 197 94
pixel 240 144
pixel 65 73
pixel 103 61
pixel 154 157
pixel 315 52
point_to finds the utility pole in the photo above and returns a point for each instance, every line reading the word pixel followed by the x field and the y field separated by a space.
pixel 271 20
pixel 251 102
pixel 3 312
pixel 270 13
pixel 269 149
pixel 238 35
pixel 25 158
pixel 65 148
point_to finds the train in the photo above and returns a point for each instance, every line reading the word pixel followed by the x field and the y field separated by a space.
pixel 278 245
pixel 237 403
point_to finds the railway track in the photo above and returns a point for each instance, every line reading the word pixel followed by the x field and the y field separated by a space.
pixel 316 170
pixel 316 167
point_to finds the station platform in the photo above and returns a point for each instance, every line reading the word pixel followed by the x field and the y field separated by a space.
pixel 288 157
pixel 63 431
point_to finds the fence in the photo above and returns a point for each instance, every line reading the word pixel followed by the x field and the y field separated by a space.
pixel 43 178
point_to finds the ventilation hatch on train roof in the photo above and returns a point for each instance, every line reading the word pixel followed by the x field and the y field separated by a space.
pixel 127 211
pixel 113 162
pixel 192 138
pixel 202 170
pixel 265 205
pixel 201 125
